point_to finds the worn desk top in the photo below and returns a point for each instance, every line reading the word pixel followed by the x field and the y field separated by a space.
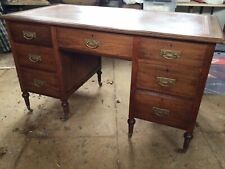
pixel 127 21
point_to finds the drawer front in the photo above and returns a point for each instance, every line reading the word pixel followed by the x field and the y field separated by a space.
pixel 168 80
pixel 35 57
pixel 109 44
pixel 31 33
pixel 163 109
pixel 40 82
pixel 173 52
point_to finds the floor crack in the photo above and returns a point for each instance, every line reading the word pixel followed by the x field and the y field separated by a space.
pixel 116 118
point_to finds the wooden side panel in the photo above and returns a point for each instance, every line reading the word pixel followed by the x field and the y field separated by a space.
pixel 78 68
pixel 135 52
pixel 15 57
pixel 201 86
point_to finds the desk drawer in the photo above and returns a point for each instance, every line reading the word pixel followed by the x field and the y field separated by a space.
pixel 109 44
pixel 173 52
pixel 168 80
pixel 35 57
pixel 31 33
pixel 40 82
pixel 163 109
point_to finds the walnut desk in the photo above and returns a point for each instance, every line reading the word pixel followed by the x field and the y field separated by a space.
pixel 57 48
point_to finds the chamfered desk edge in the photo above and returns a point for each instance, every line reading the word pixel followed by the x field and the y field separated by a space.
pixel 213 26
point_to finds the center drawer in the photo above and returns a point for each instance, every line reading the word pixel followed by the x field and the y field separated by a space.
pixel 108 44
pixel 163 109
pixel 164 79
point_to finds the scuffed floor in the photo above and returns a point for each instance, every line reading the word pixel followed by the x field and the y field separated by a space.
pixel 95 136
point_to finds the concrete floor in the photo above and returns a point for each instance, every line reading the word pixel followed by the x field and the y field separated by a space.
pixel 95 136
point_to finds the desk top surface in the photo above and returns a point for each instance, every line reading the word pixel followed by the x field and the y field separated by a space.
pixel 127 21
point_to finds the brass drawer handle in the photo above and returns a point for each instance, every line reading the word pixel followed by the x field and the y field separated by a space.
pixel 34 58
pixel 160 112
pixel 170 54
pixel 29 35
pixel 165 82
pixel 91 43
pixel 38 83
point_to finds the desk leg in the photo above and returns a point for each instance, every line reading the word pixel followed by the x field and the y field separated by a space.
pixel 65 106
pixel 201 10
pixel 27 101
pixel 190 9
pixel 120 3
pixel 212 10
pixel 187 139
pixel 131 122
pixel 99 73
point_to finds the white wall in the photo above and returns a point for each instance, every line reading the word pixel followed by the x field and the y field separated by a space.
pixel 221 16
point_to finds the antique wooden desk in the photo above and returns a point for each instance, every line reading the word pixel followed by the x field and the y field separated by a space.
pixel 56 49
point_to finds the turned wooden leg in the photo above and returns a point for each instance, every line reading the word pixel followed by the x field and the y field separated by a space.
pixel 131 122
pixel 27 101
pixel 187 139
pixel 65 106
pixel 99 73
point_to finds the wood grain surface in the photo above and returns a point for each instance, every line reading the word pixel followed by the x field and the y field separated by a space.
pixel 178 109
pixel 42 33
pixel 109 44
pixel 127 21
pixel 46 59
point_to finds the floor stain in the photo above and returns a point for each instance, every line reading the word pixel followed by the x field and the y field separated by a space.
pixel 3 151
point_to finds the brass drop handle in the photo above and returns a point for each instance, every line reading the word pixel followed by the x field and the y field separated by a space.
pixel 38 83
pixel 28 35
pixel 160 112
pixel 170 54
pixel 34 58
pixel 91 43
pixel 165 82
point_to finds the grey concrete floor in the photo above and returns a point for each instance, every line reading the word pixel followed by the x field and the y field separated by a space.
pixel 95 136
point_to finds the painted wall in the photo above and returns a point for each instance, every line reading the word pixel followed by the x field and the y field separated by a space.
pixel 221 16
